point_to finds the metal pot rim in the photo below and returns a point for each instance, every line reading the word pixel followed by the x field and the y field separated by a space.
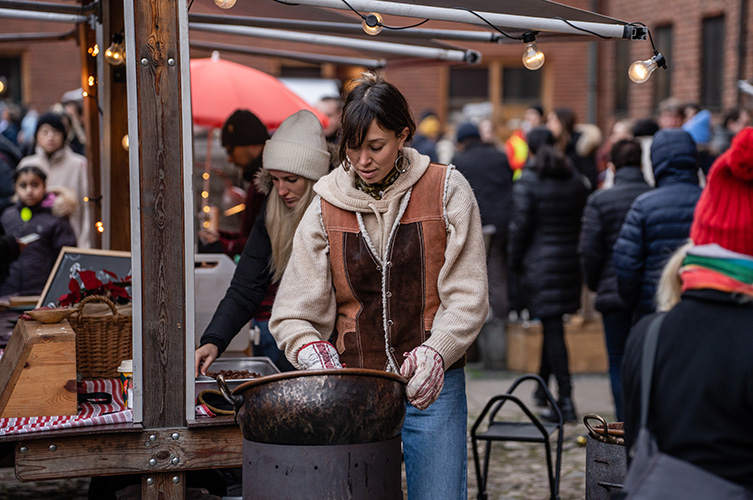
pixel 363 372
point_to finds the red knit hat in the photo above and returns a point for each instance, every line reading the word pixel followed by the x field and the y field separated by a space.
pixel 724 213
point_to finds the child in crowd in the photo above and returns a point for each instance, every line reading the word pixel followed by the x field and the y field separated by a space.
pixel 43 218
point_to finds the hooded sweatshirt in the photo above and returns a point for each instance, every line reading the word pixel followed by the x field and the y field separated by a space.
pixel 305 309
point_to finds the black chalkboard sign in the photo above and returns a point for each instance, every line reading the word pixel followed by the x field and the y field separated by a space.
pixel 72 259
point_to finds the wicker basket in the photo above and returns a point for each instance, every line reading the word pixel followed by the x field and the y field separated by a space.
pixel 102 342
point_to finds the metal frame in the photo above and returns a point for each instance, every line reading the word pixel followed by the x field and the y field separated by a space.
pixel 531 432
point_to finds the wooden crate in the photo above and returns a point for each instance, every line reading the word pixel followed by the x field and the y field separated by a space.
pixel 38 371
pixel 587 352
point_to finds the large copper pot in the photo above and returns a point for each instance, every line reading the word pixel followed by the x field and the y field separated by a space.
pixel 320 407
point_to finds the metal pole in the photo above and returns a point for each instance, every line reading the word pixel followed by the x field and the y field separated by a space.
pixel 36 37
pixel 345 28
pixel 48 7
pixel 463 16
pixel 469 56
pixel 42 16
pixel 289 54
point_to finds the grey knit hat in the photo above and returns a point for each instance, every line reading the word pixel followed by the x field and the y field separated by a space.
pixel 298 147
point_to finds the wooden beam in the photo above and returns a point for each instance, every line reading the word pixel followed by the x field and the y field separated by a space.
pixel 150 452
pixel 159 179
pixel 86 40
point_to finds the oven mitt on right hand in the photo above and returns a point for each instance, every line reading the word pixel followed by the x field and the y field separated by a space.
pixel 215 401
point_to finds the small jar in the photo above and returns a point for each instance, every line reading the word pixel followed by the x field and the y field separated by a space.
pixel 126 381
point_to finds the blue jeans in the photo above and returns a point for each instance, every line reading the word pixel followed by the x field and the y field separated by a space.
pixel 435 444
pixel 616 331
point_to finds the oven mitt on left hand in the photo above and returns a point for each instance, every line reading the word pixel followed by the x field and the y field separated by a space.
pixel 215 401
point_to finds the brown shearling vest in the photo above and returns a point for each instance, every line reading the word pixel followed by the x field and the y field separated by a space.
pixel 398 294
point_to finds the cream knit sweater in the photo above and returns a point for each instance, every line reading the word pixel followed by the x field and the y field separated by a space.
pixel 305 310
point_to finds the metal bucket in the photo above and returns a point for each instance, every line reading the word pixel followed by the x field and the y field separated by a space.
pixel 606 458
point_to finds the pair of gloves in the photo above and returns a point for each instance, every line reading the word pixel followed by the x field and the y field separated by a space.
pixel 423 367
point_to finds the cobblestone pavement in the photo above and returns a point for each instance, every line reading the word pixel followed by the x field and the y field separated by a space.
pixel 517 470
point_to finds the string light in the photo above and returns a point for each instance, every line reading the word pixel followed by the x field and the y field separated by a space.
pixel 372 23
pixel 205 194
pixel 90 81
pixel 533 57
pixel 115 53
pixel 640 71
pixel 93 51
pixel 224 4
pixel 205 176
pixel 100 227
pixel 125 142
pixel 3 85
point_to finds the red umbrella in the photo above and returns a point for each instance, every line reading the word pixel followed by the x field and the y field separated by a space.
pixel 219 87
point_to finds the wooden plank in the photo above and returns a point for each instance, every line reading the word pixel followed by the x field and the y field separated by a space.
pixel 162 211
pixel 163 486
pixel 38 373
pixel 130 453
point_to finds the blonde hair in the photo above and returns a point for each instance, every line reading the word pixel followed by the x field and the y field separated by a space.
pixel 281 222
pixel 669 290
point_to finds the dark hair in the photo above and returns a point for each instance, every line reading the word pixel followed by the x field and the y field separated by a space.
pixel 551 162
pixel 371 98
pixel 537 137
pixel 626 153
pixel 566 116
pixel 731 115
pixel 538 108
pixel 29 169
pixel 645 127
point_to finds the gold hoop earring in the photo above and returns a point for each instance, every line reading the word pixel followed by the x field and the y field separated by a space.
pixel 402 160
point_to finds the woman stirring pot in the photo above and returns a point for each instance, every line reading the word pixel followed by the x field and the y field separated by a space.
pixel 388 263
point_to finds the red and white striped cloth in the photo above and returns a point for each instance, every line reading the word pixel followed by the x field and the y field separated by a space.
pixel 88 413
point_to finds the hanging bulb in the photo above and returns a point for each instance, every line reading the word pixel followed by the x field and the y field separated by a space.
pixel 124 142
pixel 3 85
pixel 533 58
pixel 224 4
pixel 640 71
pixel 372 23
pixel 115 53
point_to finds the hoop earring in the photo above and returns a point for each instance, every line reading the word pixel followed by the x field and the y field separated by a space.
pixel 402 160
pixel 347 165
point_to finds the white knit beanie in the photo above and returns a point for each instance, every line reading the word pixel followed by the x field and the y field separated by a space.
pixel 298 147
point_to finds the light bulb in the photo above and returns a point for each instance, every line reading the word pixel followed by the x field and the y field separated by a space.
pixel 372 23
pixel 533 58
pixel 115 53
pixel 3 85
pixel 224 4
pixel 640 71
pixel 124 142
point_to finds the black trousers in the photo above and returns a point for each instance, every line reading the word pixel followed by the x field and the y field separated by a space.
pixel 554 359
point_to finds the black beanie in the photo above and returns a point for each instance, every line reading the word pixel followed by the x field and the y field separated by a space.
pixel 243 128
pixel 53 120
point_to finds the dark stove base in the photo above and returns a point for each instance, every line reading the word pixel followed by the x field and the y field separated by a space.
pixel 370 471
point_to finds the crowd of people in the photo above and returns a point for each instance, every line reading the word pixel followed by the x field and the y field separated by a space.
pixel 389 222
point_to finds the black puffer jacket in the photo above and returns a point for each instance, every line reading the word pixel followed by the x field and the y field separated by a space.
pixel 543 241
pixel 602 219
pixel 28 274
pixel 9 251
pixel 488 172
pixel 658 222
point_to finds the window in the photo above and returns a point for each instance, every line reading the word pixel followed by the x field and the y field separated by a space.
pixel 467 86
pixel 10 72
pixel 621 81
pixel 712 63
pixel 662 78
pixel 521 86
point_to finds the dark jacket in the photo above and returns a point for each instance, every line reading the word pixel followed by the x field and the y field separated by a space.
pixel 602 219
pixel 247 289
pixel 543 241
pixel 28 274
pixel 488 172
pixel 9 251
pixel 10 155
pixel 701 405
pixel 657 224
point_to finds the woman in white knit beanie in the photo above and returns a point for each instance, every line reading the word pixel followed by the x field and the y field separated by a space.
pixel 293 159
